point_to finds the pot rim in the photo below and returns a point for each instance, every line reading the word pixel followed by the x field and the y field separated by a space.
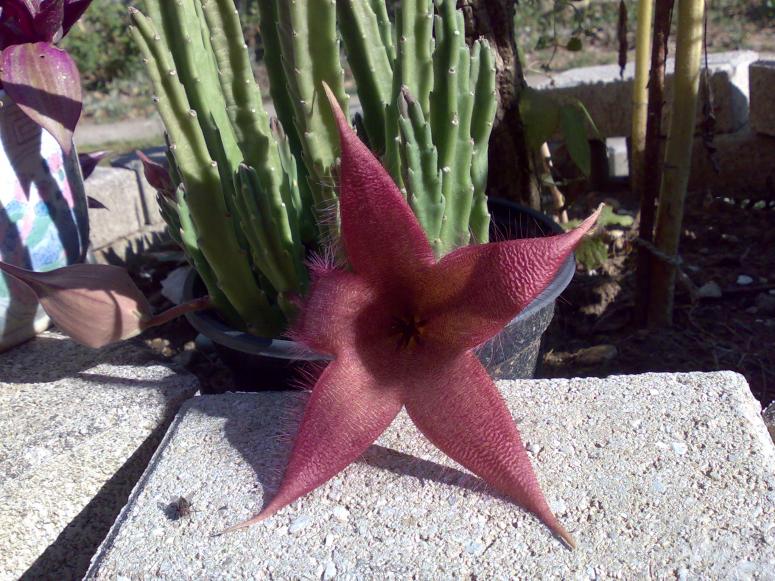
pixel 210 326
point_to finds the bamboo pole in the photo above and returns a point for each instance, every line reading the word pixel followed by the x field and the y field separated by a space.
pixel 640 94
pixel 652 163
pixel 675 176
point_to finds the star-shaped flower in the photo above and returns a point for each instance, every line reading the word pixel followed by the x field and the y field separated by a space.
pixel 402 328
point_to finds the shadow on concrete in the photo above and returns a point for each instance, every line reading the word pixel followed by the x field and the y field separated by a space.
pixel 68 557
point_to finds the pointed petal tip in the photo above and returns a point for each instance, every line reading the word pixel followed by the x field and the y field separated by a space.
pixel 263 515
pixel 336 109
pixel 563 534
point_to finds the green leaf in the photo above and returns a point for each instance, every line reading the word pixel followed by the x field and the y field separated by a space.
pixel 592 253
pixel 540 116
pixel 574 44
pixel 610 218
pixel 574 129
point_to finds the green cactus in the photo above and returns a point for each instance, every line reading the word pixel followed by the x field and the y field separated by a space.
pixel 254 195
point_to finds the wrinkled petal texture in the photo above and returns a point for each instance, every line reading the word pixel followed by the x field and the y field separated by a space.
pixel 94 304
pixel 463 414
pixel 372 208
pixel 44 81
pixel 473 292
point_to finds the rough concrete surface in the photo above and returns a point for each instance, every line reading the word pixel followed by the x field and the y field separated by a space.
pixel 608 97
pixel 762 85
pixel 118 190
pixel 77 427
pixel 657 476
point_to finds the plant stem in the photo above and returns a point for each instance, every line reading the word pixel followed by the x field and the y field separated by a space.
pixel 200 304
pixel 675 178
pixel 653 146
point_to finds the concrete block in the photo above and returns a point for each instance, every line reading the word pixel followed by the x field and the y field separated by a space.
pixel 762 86
pixel 77 427
pixel 118 189
pixel 147 191
pixel 746 163
pixel 657 476
pixel 609 97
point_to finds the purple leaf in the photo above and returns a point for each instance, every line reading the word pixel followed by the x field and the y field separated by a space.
pixel 44 81
pixel 74 9
pixel 94 304
pixel 95 204
pixel 89 161
pixel 48 20
pixel 17 23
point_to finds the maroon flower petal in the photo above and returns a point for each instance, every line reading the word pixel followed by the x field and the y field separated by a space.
pixel 44 81
pixel 94 304
pixel 382 237
pixel 463 414
pixel 346 412
pixel 474 291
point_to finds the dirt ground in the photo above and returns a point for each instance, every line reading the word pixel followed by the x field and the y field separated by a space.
pixel 593 333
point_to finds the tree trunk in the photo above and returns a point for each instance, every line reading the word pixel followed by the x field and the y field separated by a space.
pixel 511 174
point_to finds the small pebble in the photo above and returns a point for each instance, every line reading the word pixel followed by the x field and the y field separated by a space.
pixel 744 280
pixel 300 523
pixel 341 513
pixel 658 485
pixel 533 448
pixel 330 570
pixel 329 540
pixel 710 290
pixel 679 448
pixel 474 548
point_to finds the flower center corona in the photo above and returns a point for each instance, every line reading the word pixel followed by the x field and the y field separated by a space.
pixel 407 330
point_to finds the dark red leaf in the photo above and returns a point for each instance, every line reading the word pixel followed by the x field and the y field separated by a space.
pixel 94 304
pixel 89 161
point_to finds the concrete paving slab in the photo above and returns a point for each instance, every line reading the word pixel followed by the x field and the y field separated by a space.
pixel 762 81
pixel 77 427
pixel 608 97
pixel 657 476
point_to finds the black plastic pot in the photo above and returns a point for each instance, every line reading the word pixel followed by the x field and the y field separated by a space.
pixel 268 364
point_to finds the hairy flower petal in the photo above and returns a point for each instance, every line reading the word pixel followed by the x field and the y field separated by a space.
pixel 474 291
pixel 382 237
pixel 94 304
pixel 44 81
pixel 346 412
pixel 463 414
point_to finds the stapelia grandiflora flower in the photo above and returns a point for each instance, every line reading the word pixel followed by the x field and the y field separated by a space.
pixel 402 328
